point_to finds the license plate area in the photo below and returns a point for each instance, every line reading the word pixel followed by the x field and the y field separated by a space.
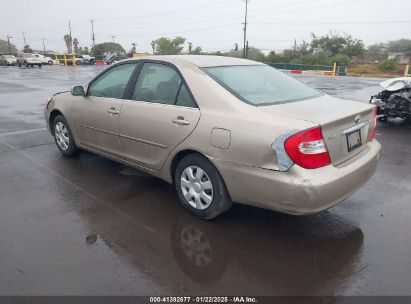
pixel 354 140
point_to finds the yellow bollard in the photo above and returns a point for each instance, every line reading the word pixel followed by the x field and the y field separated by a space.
pixel 406 72
pixel 335 68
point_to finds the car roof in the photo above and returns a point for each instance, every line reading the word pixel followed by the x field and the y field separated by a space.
pixel 204 60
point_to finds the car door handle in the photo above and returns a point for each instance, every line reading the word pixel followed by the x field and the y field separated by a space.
pixel 181 121
pixel 113 111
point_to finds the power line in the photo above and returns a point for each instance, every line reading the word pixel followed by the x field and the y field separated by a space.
pixel 292 10
pixel 177 32
pixel 335 23
pixel 189 9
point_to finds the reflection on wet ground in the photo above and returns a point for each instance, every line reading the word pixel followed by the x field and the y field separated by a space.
pixel 90 226
pixel 138 217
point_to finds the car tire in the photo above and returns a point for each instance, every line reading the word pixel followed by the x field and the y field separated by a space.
pixel 64 138
pixel 200 187
pixel 50 62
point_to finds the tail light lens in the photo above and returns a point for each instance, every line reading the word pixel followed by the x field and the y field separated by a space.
pixel 374 127
pixel 307 149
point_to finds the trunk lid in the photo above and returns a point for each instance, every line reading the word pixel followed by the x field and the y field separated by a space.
pixel 343 122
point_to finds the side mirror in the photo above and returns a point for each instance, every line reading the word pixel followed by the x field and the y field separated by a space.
pixel 78 91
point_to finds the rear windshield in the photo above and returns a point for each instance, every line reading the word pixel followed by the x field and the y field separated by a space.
pixel 261 84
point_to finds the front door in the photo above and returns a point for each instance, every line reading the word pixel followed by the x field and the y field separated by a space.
pixel 161 114
pixel 96 116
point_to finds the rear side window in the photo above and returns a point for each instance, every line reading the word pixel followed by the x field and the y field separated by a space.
pixel 160 83
pixel 112 83
pixel 184 98
pixel 157 83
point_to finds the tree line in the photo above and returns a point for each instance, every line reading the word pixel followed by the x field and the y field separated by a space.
pixel 319 50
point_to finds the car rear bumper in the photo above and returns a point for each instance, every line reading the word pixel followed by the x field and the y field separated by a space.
pixel 299 191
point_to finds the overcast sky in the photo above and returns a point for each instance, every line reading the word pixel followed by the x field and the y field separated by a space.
pixel 213 25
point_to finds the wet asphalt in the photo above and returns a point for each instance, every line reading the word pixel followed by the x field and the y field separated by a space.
pixel 90 226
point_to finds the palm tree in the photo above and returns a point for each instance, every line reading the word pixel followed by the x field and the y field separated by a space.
pixel 67 40
pixel 75 43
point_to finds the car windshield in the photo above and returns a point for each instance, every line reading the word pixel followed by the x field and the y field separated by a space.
pixel 261 84
pixel 28 55
pixel 8 56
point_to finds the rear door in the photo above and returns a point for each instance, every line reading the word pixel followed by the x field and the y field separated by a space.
pixel 96 116
pixel 160 114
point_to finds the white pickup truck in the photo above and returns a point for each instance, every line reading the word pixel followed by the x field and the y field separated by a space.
pixel 28 59
pixel 44 59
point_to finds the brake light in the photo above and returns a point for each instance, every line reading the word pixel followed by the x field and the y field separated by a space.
pixel 307 149
pixel 374 127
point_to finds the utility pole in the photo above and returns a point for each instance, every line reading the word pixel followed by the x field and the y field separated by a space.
pixel 71 38
pixel 190 47
pixel 246 50
pixel 24 39
pixel 113 37
pixel 134 48
pixel 93 38
pixel 8 41
pixel 44 47
pixel 245 27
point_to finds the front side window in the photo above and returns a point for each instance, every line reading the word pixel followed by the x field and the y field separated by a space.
pixel 112 83
pixel 261 84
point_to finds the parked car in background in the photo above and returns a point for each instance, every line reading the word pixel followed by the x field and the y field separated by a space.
pixel 222 130
pixel 28 59
pixel 110 59
pixel 89 59
pixel 8 60
pixel 44 59
pixel 79 60
pixel 84 59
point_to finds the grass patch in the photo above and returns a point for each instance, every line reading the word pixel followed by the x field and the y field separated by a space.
pixel 372 70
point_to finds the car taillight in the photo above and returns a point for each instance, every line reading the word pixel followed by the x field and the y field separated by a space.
pixel 307 149
pixel 374 127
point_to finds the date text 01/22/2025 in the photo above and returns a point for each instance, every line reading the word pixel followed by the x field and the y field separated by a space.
pixel 203 299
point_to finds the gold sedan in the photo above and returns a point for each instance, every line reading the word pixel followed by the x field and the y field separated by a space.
pixel 222 130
